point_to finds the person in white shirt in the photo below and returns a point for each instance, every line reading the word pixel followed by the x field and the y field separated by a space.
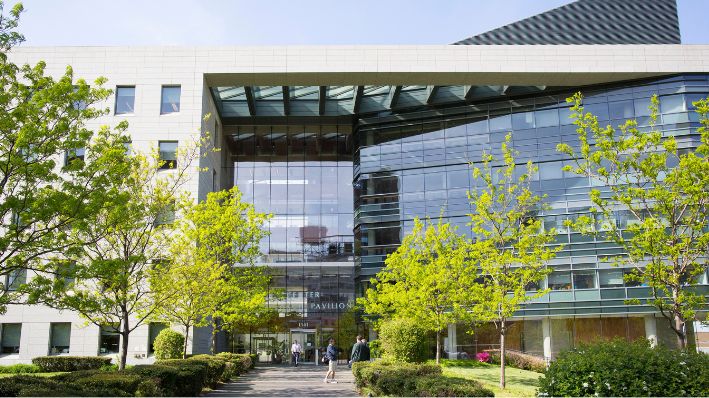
pixel 295 350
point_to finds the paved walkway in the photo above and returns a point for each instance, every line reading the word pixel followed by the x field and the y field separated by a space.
pixel 284 381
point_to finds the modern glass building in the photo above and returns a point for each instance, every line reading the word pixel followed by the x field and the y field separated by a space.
pixel 345 146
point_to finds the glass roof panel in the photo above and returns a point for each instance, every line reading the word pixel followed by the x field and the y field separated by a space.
pixel 230 93
pixel 305 92
pixel 376 90
pixel 268 93
pixel 340 92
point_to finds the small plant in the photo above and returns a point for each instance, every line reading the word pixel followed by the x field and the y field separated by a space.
pixel 482 357
pixel 169 344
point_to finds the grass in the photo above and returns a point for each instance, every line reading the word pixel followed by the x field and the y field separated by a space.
pixel 520 383
pixel 47 374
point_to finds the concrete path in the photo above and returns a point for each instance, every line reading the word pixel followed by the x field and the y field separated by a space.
pixel 284 381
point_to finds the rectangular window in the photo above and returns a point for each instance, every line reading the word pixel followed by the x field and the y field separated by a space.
pixel 15 279
pixel 59 338
pixel 168 154
pixel 153 330
pixel 10 339
pixel 74 154
pixel 610 278
pixel 584 279
pixel 170 102
pixel 125 100
pixel 109 340
pixel 559 280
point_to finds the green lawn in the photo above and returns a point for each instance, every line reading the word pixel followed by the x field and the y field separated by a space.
pixel 49 374
pixel 520 383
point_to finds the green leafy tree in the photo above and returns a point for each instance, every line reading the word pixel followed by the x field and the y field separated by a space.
pixel 222 232
pixel 46 191
pixel 415 282
pixel 169 344
pixel 663 191
pixel 106 280
pixel 508 256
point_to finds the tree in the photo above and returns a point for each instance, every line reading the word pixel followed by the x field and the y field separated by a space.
pixel 106 280
pixel 46 189
pixel 662 190
pixel 509 253
pixel 416 281
pixel 220 236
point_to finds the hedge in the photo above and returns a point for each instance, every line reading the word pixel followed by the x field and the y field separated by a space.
pixel 519 360
pixel 168 378
pixel 386 378
pixel 403 340
pixel 620 368
pixel 33 386
pixel 169 344
pixel 70 364
pixel 20 368
pixel 242 362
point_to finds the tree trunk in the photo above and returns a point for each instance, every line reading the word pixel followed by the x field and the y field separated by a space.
pixel 681 332
pixel 438 346
pixel 187 337
pixel 125 332
pixel 502 354
pixel 213 341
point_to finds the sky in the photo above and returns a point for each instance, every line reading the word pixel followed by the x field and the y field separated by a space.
pixel 289 22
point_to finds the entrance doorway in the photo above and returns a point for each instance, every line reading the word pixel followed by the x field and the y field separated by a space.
pixel 308 340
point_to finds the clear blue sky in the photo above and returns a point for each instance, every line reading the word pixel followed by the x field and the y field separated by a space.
pixel 294 22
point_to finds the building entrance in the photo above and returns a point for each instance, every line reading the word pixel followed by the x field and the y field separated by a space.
pixel 308 340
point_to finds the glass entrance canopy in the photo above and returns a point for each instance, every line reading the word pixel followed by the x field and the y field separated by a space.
pixel 273 101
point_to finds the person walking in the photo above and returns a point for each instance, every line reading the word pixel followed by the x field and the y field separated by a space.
pixel 295 350
pixel 331 358
pixel 364 354
pixel 356 350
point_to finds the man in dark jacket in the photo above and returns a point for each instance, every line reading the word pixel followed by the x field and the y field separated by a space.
pixel 356 351
pixel 364 350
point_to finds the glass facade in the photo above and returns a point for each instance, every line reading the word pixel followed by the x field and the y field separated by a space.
pixel 302 175
pixel 416 163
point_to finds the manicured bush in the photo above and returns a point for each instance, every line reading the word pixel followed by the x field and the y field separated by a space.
pixel 242 362
pixel 519 360
pixel 20 368
pixel 169 344
pixel 123 381
pixel 191 376
pixel 215 368
pixel 385 378
pixel 620 368
pixel 434 386
pixel 70 364
pixel 32 386
pixel 166 377
pixel 403 340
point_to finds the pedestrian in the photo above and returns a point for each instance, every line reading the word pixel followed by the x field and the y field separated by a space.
pixel 356 349
pixel 295 350
pixel 364 354
pixel 331 358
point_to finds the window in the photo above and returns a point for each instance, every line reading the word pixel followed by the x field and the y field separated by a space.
pixel 74 154
pixel 128 145
pixel 166 215
pixel 59 338
pixel 10 339
pixel 168 154
pixel 170 102
pixel 15 278
pixel 109 340
pixel 125 100
pixel 153 330
pixel 610 278
pixel 559 280
pixel 584 279
pixel 547 118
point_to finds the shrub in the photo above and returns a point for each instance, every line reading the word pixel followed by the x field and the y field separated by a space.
pixel 191 376
pixel 169 344
pixel 215 368
pixel 32 386
pixel 70 364
pixel 413 380
pixel 375 349
pixel 242 362
pixel 122 381
pixel 11 386
pixel 20 368
pixel 519 360
pixel 403 340
pixel 433 386
pixel 166 377
pixel 619 368
pixel 482 357
pixel 148 388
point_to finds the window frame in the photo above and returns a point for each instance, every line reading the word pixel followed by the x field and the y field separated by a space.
pixel 162 99
pixel 115 105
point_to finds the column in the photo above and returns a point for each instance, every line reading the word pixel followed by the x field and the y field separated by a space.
pixel 452 342
pixel 546 334
pixel 651 329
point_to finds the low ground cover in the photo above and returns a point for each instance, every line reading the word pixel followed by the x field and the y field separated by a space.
pixel 520 383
